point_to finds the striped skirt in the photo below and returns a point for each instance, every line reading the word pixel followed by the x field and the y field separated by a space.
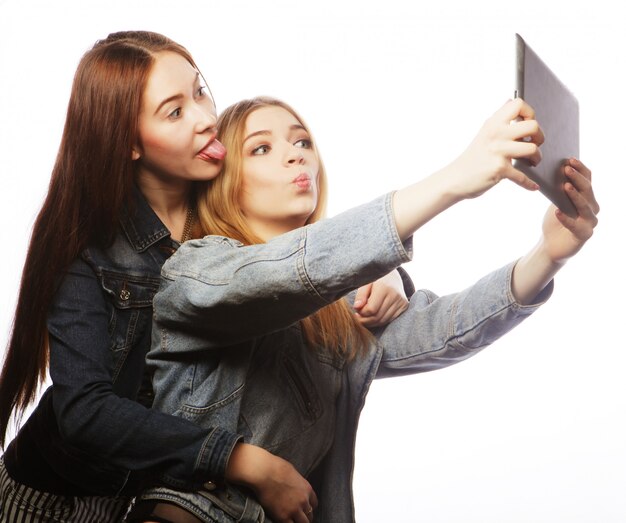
pixel 21 504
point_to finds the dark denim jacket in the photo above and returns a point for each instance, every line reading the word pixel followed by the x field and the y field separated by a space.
pixel 88 426
pixel 226 348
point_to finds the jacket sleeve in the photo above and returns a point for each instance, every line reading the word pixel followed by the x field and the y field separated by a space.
pixel 95 421
pixel 436 332
pixel 220 293
pixel 407 282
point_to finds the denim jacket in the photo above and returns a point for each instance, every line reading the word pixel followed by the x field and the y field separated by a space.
pixel 88 432
pixel 228 350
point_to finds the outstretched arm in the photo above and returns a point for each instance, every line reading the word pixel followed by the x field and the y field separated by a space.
pixel 211 284
pixel 562 236
pixel 437 332
pixel 486 162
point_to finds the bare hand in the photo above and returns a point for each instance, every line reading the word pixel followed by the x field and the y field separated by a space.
pixel 564 236
pixel 512 132
pixel 280 489
pixel 378 303
pixel 285 495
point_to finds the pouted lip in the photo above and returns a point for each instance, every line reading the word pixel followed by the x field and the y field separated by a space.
pixel 302 177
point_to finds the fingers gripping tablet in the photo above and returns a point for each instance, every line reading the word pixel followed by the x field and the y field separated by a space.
pixel 556 110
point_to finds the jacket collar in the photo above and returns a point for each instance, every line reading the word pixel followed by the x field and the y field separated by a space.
pixel 140 223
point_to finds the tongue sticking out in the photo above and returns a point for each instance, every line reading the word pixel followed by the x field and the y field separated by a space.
pixel 215 151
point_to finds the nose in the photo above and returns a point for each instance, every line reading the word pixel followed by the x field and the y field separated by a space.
pixel 295 156
pixel 206 119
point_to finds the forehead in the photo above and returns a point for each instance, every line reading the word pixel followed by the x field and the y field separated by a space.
pixel 171 74
pixel 270 118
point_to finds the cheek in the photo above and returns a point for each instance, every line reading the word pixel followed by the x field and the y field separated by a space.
pixel 260 194
pixel 159 143
pixel 258 180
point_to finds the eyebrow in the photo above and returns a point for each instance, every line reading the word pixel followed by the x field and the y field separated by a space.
pixel 176 96
pixel 294 127
pixel 168 100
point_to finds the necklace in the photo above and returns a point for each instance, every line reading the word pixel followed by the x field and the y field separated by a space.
pixel 189 221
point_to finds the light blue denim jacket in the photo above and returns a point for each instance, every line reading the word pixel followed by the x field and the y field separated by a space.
pixel 228 351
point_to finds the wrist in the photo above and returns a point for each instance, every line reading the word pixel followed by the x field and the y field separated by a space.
pixel 248 465
pixel 450 183
pixel 418 203
pixel 545 255
pixel 532 273
pixel 236 469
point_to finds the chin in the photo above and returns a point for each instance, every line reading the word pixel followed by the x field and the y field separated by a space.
pixel 207 174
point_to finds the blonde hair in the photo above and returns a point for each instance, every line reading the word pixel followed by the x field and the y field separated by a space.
pixel 334 327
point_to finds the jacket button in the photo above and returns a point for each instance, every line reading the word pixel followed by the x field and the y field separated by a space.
pixel 210 486
pixel 125 294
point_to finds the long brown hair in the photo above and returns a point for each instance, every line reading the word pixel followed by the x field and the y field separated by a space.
pixel 334 327
pixel 91 182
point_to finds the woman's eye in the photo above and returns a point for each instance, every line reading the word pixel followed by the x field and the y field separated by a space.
pixel 175 113
pixel 305 143
pixel 261 149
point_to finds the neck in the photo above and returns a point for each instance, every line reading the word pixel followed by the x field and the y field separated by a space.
pixel 266 230
pixel 169 200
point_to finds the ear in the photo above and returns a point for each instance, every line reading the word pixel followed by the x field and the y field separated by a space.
pixel 136 154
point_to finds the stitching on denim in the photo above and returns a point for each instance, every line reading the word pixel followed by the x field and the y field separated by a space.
pixel 308 285
pixel 218 404
pixel 396 242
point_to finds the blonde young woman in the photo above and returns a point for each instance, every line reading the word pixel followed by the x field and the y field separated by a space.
pixel 251 329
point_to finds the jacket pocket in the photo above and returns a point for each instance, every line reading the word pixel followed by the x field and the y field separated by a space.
pixel 131 312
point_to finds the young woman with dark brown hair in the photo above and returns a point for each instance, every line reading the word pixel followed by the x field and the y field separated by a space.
pixel 112 216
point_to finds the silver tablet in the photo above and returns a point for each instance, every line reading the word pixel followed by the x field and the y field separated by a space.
pixel 556 110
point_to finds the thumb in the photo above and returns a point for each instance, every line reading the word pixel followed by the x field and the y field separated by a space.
pixel 362 295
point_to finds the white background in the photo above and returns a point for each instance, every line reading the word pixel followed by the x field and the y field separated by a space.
pixel 532 429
